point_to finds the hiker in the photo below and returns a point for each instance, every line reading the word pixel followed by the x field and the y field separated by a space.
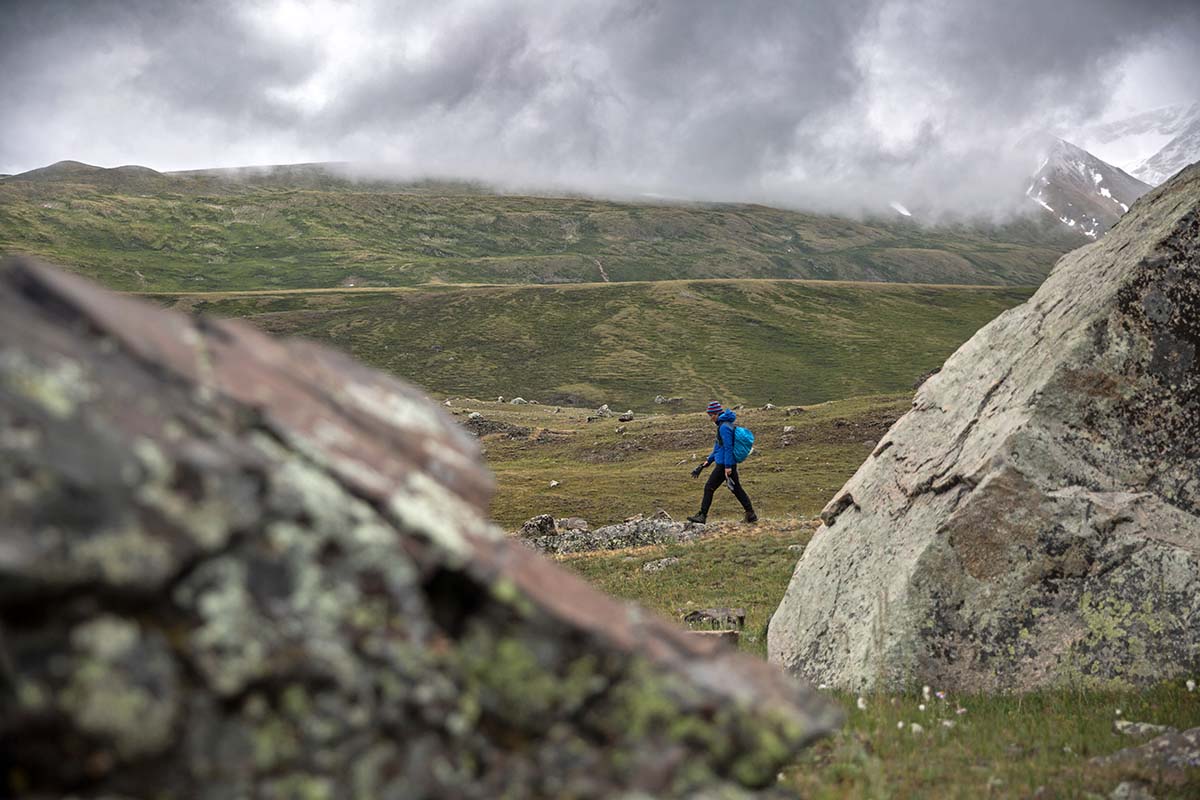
pixel 726 471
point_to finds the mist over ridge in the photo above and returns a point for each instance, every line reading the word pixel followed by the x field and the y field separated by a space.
pixel 841 107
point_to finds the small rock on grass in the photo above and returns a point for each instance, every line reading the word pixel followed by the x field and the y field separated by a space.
pixel 1130 728
pixel 660 564
pixel 554 484
pixel 541 525
pixel 1131 790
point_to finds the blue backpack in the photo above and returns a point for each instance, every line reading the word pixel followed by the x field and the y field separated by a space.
pixel 743 443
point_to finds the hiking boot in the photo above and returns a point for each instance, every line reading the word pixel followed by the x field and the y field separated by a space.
pixel 698 518
pixel 751 516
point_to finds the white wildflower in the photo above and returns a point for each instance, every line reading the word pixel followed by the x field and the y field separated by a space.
pixel 916 728
pixel 1191 685
pixel 900 725
pixel 960 710
pixel 921 707
pixel 925 693
pixel 947 723
pixel 862 704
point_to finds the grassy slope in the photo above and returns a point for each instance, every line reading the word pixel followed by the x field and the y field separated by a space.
pixel 623 344
pixel 134 229
pixel 1001 746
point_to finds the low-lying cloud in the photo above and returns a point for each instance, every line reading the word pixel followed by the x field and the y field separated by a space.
pixel 841 105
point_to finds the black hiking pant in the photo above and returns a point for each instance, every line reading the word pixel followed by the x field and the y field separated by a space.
pixel 715 479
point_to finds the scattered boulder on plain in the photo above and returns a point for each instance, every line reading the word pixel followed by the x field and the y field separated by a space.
pixel 541 525
pixel 1034 519
pixel 716 617
pixel 1127 727
pixel 660 564
pixel 635 532
pixel 603 411
pixel 518 401
pixel 238 566
pixel 626 417
pixel 1171 754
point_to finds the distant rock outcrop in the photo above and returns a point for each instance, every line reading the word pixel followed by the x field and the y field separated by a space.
pixel 233 566
pixel 638 531
pixel 1035 518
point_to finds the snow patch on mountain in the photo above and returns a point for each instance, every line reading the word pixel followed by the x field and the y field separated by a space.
pixel 1080 190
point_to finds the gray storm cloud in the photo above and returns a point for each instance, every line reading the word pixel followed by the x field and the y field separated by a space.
pixel 840 106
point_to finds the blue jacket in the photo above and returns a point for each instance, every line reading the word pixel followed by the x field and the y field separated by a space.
pixel 722 454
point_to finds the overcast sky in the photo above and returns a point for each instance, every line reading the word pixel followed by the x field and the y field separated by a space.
pixel 826 104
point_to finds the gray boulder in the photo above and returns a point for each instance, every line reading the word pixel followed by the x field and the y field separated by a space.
pixel 1035 518
pixel 235 566
pixel 541 525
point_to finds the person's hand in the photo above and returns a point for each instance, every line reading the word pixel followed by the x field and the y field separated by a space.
pixel 696 471
pixel 728 471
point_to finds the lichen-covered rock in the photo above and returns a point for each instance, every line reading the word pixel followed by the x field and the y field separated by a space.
pixel 541 525
pixel 233 566
pixel 1035 518
pixel 637 532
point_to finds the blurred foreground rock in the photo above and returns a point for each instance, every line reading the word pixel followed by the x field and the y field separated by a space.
pixel 233 566
pixel 1035 518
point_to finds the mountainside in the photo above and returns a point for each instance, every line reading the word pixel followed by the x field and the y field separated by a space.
pixel 1178 153
pixel 624 344
pixel 1130 141
pixel 1080 190
pixel 1152 145
pixel 309 226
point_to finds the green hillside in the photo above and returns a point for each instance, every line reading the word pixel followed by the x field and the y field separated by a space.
pixel 303 227
pixel 623 344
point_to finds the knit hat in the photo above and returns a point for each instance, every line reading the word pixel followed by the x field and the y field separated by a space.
pixel 714 407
